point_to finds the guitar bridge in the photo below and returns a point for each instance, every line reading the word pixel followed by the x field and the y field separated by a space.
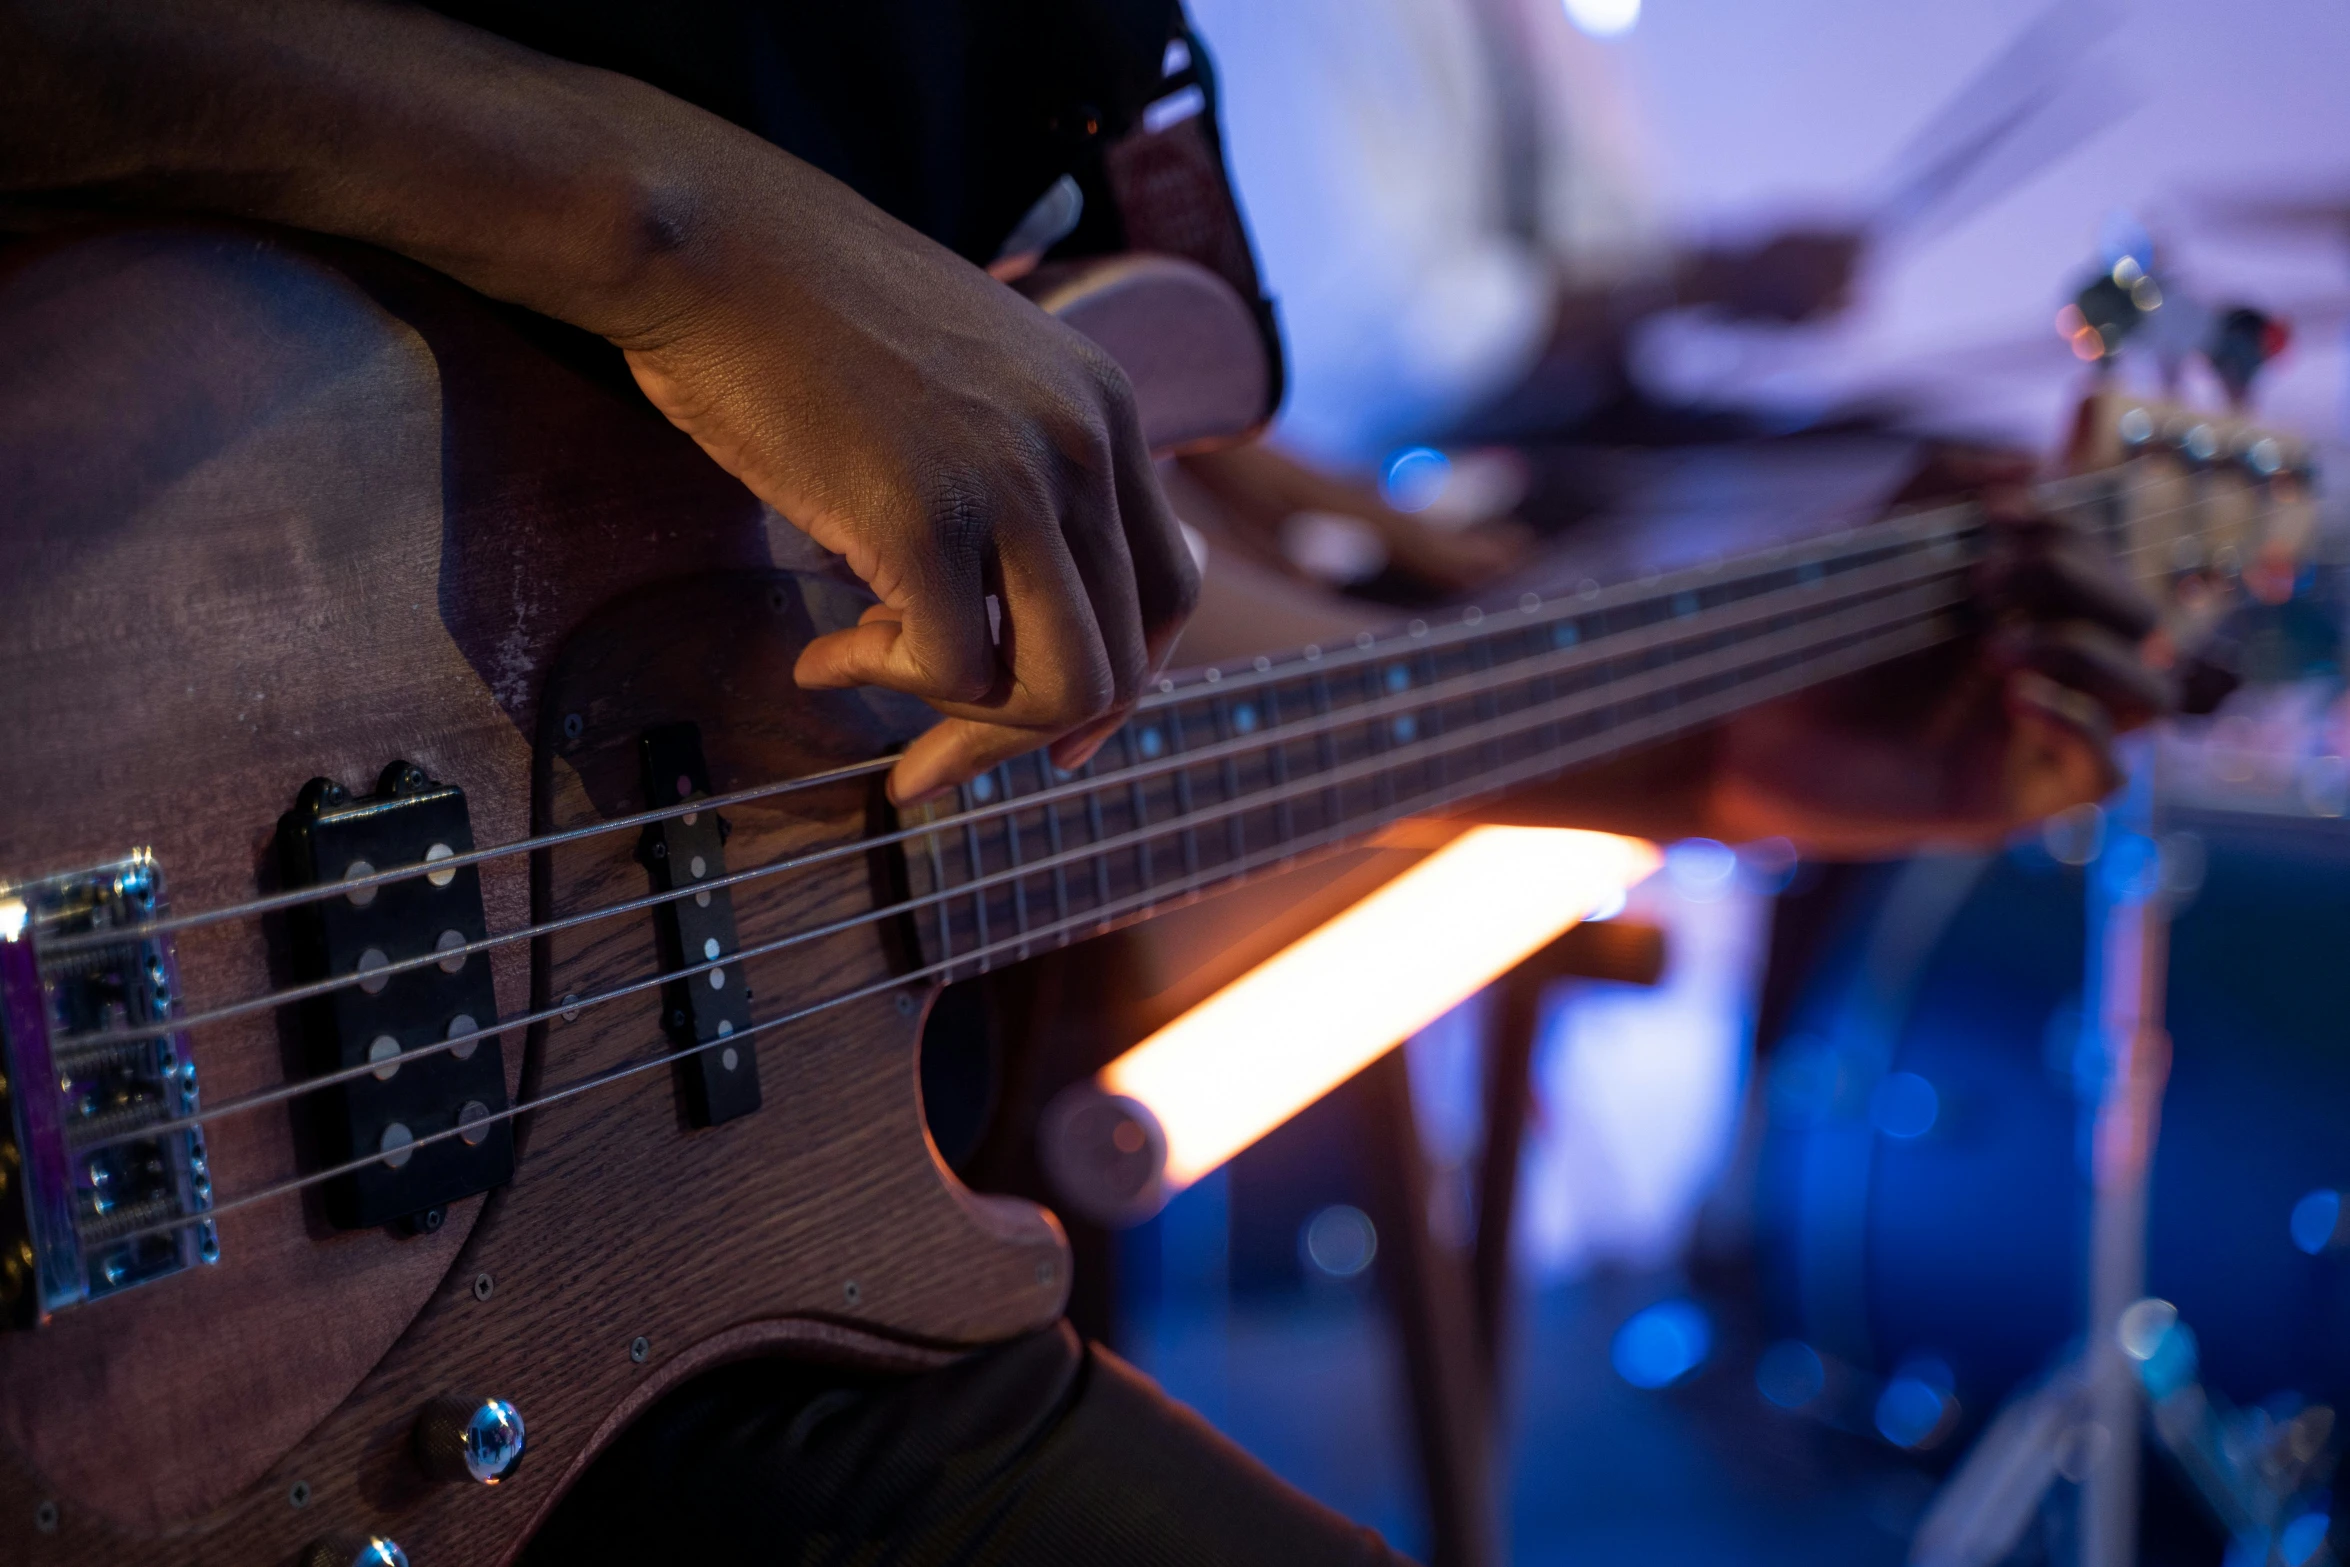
pixel 89 1206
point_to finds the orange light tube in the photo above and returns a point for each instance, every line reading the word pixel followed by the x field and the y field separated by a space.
pixel 1290 1030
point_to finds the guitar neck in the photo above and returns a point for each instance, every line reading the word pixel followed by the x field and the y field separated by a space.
pixel 1230 771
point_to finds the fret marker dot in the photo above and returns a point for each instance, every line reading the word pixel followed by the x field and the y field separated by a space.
pixel 728 1059
pixel 710 947
pixel 698 866
pixel 1406 727
pixel 1214 675
pixel 724 1028
pixel 1364 639
pixel 1313 652
pixel 1528 603
pixel 718 979
pixel 1150 743
pixel 1588 588
pixel 1244 718
pixel 440 851
pixel 459 1026
pixel 1472 616
pixel 1418 628
pixel 1166 685
pixel 1262 664
pixel 983 787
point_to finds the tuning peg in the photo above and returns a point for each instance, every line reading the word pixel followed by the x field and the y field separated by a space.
pixel 2241 343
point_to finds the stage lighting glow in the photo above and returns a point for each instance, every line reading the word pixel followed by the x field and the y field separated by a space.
pixel 1287 1032
pixel 1603 18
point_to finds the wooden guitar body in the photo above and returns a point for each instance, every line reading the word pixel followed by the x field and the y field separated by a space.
pixel 277 511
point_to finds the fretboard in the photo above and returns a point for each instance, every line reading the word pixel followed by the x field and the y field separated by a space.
pixel 1231 771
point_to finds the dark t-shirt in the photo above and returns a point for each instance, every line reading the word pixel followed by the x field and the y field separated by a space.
pixel 953 116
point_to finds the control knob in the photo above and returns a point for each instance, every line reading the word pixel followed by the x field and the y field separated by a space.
pixel 469 1439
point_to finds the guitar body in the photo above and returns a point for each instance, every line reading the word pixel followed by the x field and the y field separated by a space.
pixel 278 511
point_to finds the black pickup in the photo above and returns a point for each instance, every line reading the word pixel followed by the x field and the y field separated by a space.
pixel 330 837
pixel 711 1007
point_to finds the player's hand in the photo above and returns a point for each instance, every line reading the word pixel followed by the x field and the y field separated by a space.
pixel 952 442
pixel 1968 741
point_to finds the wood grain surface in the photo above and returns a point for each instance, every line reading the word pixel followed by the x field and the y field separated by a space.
pixel 276 510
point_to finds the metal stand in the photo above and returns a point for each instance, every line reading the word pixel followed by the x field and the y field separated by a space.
pixel 2132 969
pixel 1451 1306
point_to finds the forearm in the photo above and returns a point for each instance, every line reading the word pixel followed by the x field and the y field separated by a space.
pixel 571 191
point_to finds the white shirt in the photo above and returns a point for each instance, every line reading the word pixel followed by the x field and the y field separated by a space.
pixel 1366 138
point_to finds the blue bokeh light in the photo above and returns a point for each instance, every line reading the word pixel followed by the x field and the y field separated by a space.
pixel 1412 478
pixel 1700 869
pixel 2315 1218
pixel 1661 1345
pixel 1904 1105
pixel 1909 1411
pixel 2299 1540
pixel 1790 1374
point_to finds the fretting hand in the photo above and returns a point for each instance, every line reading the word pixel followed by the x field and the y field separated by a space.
pixel 951 442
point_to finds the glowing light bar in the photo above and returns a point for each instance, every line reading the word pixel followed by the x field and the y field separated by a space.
pixel 1287 1032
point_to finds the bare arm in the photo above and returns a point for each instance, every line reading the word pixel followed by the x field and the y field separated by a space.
pixel 898 405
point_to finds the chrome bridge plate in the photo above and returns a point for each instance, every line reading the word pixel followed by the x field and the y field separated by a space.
pixel 90 1203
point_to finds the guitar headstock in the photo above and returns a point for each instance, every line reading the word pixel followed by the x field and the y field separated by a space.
pixel 2201 508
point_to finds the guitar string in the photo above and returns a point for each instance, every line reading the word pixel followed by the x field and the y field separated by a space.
pixel 1860 539
pixel 1868 584
pixel 1492 732
pixel 1608 648
pixel 1887 645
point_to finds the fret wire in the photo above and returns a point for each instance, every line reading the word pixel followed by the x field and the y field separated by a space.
pixel 1052 838
pixel 1094 833
pixel 1277 769
pixel 978 870
pixel 1485 703
pixel 1383 785
pixel 1177 744
pixel 1228 779
pixel 1436 717
pixel 1141 805
pixel 938 883
pixel 1011 824
pixel 1325 743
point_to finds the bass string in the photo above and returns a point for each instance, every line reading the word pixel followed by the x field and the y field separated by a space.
pixel 1887 645
pixel 1868 540
pixel 1524 671
pixel 1494 732
pixel 1848 542
pixel 1521 671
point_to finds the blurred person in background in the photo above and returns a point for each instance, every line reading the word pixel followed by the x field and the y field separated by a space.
pixel 1452 201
